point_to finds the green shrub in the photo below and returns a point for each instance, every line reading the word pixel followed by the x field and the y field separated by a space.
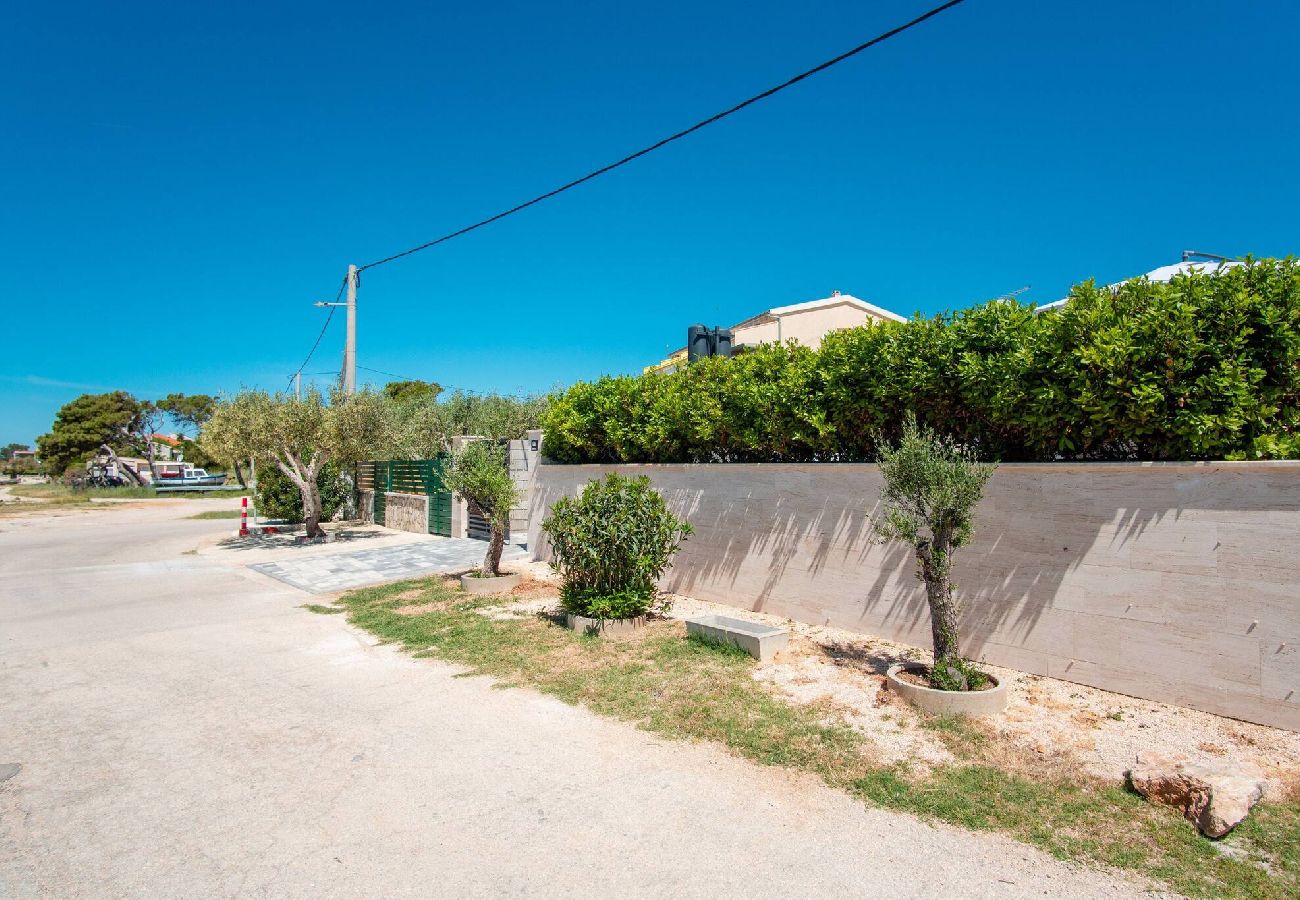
pixel 611 544
pixel 1204 367
pixel 279 498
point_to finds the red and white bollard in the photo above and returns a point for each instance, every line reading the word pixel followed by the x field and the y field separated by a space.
pixel 243 518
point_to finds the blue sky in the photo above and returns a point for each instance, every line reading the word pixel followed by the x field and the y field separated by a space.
pixel 180 181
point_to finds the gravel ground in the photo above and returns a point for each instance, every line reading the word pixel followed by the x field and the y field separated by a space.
pixel 1099 731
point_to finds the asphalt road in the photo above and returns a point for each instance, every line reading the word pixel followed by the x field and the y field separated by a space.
pixel 184 728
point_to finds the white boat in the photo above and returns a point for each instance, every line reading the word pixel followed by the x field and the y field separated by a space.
pixel 185 476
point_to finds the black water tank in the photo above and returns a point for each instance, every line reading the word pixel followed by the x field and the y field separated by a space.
pixel 722 338
pixel 698 342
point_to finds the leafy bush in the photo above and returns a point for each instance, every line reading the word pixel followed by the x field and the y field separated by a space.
pixel 480 473
pixel 932 487
pixel 1204 367
pixel 279 498
pixel 611 544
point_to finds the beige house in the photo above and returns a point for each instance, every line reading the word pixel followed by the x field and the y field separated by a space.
pixel 806 323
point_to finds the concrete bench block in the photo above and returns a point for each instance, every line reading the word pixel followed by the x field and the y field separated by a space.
pixel 758 640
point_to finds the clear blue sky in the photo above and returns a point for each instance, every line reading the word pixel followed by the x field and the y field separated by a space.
pixel 180 181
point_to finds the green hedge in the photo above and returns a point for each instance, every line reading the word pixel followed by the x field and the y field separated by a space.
pixel 1205 367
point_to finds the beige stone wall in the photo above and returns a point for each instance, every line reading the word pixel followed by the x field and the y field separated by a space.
pixel 406 512
pixel 1173 582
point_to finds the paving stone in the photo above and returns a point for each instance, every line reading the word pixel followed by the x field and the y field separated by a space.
pixel 326 574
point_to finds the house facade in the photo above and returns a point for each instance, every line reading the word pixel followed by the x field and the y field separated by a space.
pixel 807 323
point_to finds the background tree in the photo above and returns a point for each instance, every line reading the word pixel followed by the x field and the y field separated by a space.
pixel 425 429
pixel 931 489
pixel 188 411
pixel 479 472
pixel 301 436
pixel 7 451
pixel 412 391
pixel 87 424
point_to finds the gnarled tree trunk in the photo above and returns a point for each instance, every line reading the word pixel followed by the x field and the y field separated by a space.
pixel 496 541
pixel 304 477
pixel 123 467
pixel 934 558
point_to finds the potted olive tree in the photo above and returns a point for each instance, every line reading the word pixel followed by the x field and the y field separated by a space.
pixel 610 545
pixel 932 486
pixel 479 473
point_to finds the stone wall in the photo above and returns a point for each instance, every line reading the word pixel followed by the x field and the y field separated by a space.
pixel 406 512
pixel 1175 582
pixel 366 506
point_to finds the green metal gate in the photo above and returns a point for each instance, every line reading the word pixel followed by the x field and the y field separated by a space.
pixel 410 476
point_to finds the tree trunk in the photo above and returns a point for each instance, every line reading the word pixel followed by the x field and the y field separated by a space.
pixel 311 508
pixel 239 475
pixel 492 562
pixel 305 478
pixel 935 568
pixel 123 467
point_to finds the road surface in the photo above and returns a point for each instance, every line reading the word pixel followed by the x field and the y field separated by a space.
pixel 184 728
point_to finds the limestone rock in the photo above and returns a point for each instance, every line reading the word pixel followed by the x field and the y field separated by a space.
pixel 1214 797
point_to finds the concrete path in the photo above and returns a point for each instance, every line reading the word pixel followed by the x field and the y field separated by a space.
pixel 343 571
pixel 183 728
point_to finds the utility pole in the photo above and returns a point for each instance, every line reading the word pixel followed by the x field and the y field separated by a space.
pixel 297 385
pixel 350 349
pixel 350 346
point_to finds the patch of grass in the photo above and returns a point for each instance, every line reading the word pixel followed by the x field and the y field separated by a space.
pixel 216 514
pixel 55 492
pixel 700 690
pixel 324 610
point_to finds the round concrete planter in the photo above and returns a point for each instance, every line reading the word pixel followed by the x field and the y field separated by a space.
pixel 473 584
pixel 988 702
pixel 604 627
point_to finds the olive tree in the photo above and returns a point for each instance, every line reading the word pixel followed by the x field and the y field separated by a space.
pixel 479 472
pixel 300 436
pixel 932 486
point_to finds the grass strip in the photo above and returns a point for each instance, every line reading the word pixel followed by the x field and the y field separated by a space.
pixel 694 690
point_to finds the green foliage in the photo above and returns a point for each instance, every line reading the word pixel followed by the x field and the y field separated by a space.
pixel 932 486
pixel 81 426
pixel 611 544
pixel 1203 367
pixel 412 391
pixel 425 427
pixel 277 497
pixel 190 411
pixel 194 454
pixel 479 473
pixel 957 674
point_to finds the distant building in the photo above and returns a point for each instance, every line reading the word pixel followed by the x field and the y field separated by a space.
pixel 1166 274
pixel 806 323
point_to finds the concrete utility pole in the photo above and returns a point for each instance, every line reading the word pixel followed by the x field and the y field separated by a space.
pixel 350 346
pixel 350 349
pixel 297 385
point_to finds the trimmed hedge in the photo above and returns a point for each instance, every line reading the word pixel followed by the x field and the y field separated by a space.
pixel 1205 367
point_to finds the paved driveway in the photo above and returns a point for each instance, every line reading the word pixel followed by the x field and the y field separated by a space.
pixel 185 729
pixel 332 572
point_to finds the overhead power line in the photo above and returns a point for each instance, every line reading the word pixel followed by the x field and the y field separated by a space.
pixel 893 32
pixel 323 329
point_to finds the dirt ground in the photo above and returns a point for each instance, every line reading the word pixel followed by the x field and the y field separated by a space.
pixel 1074 725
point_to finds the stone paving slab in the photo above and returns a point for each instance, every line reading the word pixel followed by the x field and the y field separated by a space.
pixel 344 571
